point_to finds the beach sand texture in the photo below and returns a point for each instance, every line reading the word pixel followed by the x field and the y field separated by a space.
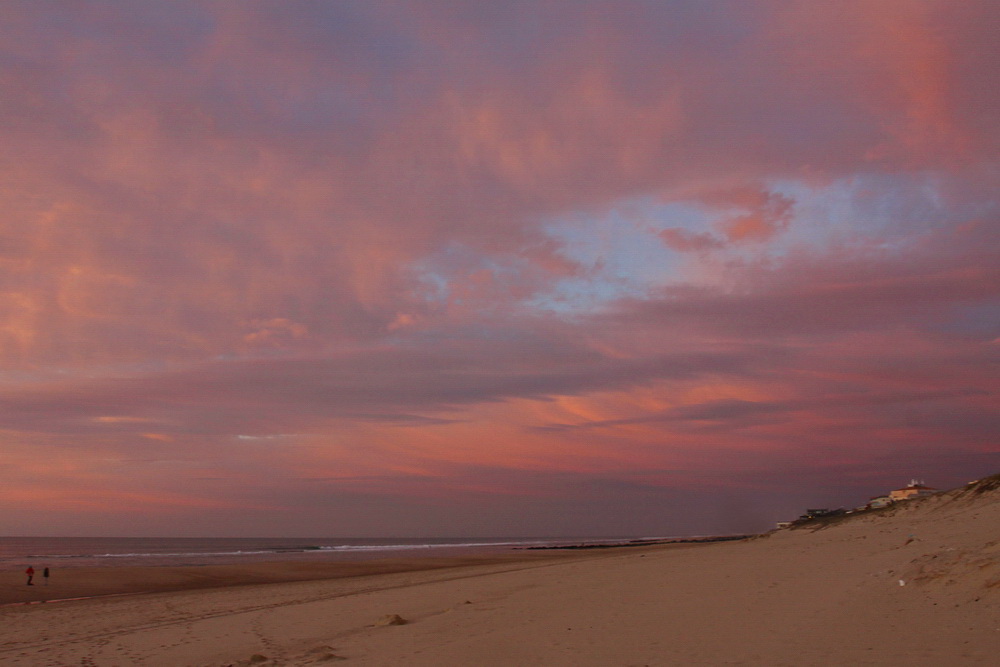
pixel 917 584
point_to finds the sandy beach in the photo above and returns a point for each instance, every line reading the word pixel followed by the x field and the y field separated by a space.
pixel 917 584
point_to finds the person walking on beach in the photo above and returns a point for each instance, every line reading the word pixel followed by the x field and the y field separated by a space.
pixel 45 575
pixel 31 574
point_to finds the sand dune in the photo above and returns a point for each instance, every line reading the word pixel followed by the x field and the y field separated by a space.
pixel 917 584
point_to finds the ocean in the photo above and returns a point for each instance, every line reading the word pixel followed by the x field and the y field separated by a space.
pixel 67 552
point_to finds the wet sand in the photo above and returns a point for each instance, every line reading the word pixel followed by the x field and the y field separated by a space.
pixel 104 581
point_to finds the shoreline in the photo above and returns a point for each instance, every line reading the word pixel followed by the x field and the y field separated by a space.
pixel 643 543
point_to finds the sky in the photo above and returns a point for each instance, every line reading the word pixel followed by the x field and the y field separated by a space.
pixel 533 268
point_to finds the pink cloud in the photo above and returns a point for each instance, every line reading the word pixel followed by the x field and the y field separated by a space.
pixel 682 240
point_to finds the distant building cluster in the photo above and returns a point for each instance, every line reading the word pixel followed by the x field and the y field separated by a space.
pixel 915 489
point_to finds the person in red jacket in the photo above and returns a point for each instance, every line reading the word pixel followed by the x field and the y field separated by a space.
pixel 31 573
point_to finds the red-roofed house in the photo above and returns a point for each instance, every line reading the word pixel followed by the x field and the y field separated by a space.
pixel 914 489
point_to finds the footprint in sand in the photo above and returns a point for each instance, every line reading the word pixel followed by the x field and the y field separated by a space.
pixel 323 654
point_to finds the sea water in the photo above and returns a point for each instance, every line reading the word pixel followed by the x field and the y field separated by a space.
pixel 66 552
